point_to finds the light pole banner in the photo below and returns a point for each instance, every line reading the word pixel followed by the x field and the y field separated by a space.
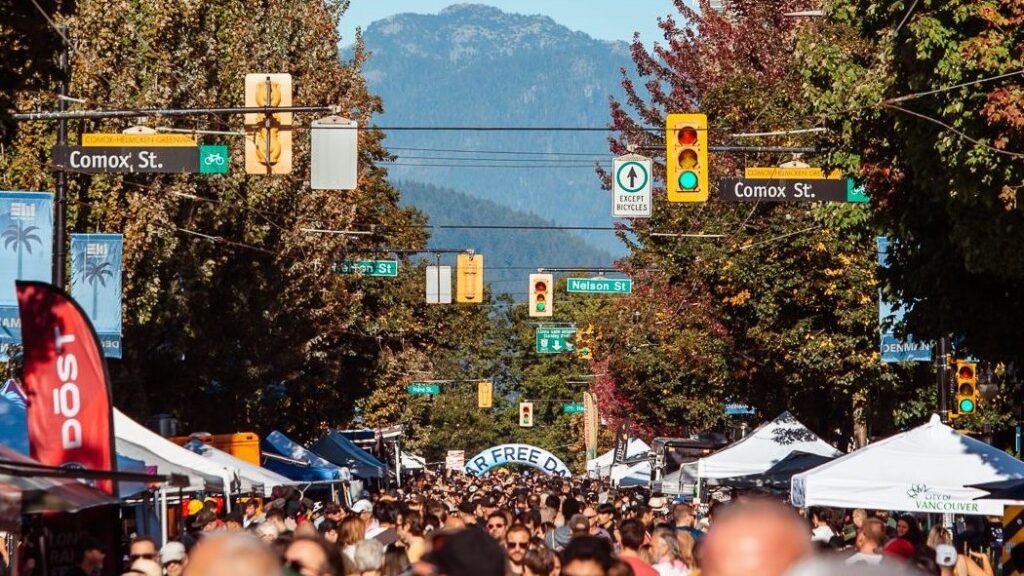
pixel 26 253
pixel 96 285
pixel 69 406
pixel 893 349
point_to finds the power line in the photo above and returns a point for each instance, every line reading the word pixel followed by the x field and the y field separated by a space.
pixel 528 166
pixel 488 159
pixel 520 152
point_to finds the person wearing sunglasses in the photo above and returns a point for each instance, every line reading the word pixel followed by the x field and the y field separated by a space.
pixel 496 525
pixel 173 558
pixel 142 548
pixel 517 542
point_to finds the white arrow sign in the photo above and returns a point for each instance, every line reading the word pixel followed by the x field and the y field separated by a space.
pixel 631 186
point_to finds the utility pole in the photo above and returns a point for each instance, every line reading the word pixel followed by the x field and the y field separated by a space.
pixel 60 205
pixel 943 378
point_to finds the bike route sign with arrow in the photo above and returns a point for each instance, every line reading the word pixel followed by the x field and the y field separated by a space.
pixel 554 339
pixel 631 186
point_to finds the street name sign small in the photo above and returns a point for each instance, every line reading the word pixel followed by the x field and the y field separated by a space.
pixel 423 389
pixel 554 339
pixel 599 285
pixel 572 408
pixel 631 186
pixel 143 140
pixel 388 268
pixel 789 190
pixel 777 173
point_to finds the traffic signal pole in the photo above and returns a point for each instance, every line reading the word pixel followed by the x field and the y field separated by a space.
pixel 60 205
pixel 943 378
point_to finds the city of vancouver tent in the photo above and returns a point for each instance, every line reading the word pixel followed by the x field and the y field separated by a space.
pixel 338 449
pixel 925 469
pixel 296 462
pixel 255 475
pixel 763 448
pixel 601 466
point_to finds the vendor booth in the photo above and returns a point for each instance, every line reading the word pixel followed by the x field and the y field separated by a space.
pixel 339 450
pixel 288 458
pixel 261 479
pixel 601 467
pixel 926 469
pixel 763 448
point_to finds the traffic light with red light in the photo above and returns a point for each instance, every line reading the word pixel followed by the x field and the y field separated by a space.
pixel 686 158
pixel 542 291
pixel 966 379
pixel 526 414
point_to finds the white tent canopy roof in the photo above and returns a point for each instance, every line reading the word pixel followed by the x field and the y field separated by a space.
pixel 136 441
pixel 763 448
pixel 604 461
pixel 253 474
pixel 412 461
pixel 924 469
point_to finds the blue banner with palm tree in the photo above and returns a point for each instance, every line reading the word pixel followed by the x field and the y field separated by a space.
pixel 96 285
pixel 26 253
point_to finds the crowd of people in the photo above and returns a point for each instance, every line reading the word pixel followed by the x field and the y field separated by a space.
pixel 523 525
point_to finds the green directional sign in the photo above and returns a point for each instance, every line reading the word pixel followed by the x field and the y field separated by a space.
pixel 554 340
pixel 600 285
pixel 574 408
pixel 423 389
pixel 387 268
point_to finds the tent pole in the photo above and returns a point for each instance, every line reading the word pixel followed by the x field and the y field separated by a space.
pixel 163 515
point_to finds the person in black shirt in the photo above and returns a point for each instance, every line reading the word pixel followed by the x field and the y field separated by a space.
pixel 89 556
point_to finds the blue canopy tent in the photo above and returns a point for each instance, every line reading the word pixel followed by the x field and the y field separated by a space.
pixel 290 459
pixel 338 449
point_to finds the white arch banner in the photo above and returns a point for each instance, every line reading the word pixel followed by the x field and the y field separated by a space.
pixel 523 454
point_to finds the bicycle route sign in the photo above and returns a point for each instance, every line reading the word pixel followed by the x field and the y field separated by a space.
pixel 554 339
pixel 207 159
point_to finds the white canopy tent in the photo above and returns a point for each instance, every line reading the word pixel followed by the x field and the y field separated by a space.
pixel 601 466
pixel 412 462
pixel 635 475
pixel 136 441
pixel 924 469
pixel 762 449
pixel 256 476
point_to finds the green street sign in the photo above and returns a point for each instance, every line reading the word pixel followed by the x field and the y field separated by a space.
pixel 554 340
pixel 388 268
pixel 575 408
pixel 213 159
pixel 599 285
pixel 423 389
pixel 856 194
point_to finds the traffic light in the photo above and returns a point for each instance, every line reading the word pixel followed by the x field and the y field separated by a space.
pixel 966 378
pixel 469 283
pixel 268 137
pixel 542 291
pixel 686 158
pixel 585 342
pixel 526 414
pixel 484 394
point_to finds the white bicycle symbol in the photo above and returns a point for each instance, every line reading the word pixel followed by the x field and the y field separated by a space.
pixel 214 158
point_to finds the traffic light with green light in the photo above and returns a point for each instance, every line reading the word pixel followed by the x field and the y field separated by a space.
pixel 542 290
pixel 966 379
pixel 686 158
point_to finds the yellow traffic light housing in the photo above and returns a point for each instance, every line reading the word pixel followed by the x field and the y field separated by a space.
pixel 526 414
pixel 469 283
pixel 542 291
pixel 484 394
pixel 965 376
pixel 686 158
pixel 268 136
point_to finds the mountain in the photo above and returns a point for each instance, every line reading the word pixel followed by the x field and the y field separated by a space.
pixel 509 255
pixel 474 65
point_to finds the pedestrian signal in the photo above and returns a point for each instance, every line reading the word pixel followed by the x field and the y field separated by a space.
pixel 686 158
pixel 469 283
pixel 526 414
pixel 966 377
pixel 542 290
pixel 484 394
pixel 268 135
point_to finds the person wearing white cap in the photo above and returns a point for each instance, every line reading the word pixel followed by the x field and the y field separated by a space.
pixel 364 509
pixel 173 558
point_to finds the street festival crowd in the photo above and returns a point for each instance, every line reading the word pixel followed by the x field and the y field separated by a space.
pixel 536 525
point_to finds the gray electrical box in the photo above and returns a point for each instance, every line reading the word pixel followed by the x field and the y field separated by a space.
pixel 334 151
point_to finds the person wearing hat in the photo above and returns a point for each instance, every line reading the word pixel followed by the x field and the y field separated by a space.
pixel 173 558
pixel 89 557
pixel 364 510
pixel 467 512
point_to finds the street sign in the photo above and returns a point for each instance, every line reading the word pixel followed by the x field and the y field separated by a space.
pixel 631 186
pixel 423 389
pixel 738 410
pixel 439 284
pixel 599 285
pixel 387 268
pixel 554 339
pixel 214 159
pixel 132 160
pixel 572 408
pixel 786 190
pixel 142 140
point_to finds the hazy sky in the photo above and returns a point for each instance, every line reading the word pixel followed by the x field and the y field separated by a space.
pixel 604 19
